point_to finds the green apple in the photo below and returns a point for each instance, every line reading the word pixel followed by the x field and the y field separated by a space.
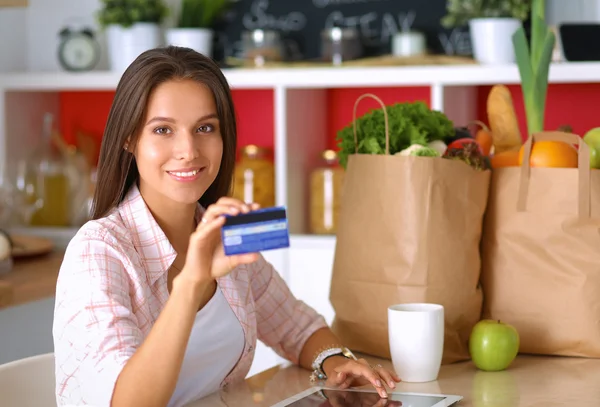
pixel 493 345
pixel 592 139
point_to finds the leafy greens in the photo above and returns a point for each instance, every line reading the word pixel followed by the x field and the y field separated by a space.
pixel 409 123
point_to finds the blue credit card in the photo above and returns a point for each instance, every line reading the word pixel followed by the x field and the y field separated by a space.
pixel 256 231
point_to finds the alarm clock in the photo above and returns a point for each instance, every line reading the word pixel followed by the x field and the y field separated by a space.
pixel 78 50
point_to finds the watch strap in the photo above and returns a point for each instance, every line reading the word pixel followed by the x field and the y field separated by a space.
pixel 325 354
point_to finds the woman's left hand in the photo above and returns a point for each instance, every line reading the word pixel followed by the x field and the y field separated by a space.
pixel 343 373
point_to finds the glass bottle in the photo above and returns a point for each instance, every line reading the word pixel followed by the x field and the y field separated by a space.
pixel 254 178
pixel 50 169
pixel 325 193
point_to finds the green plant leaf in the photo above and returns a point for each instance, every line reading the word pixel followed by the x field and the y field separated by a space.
pixel 538 33
pixel 522 57
pixel 541 78
pixel 201 13
pixel 526 73
pixel 128 12
pixel 459 12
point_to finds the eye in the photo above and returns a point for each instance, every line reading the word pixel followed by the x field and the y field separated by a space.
pixel 162 130
pixel 206 128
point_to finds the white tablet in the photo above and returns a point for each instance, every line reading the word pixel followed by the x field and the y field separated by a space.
pixel 327 397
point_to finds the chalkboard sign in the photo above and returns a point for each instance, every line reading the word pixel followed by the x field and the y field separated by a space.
pixel 300 23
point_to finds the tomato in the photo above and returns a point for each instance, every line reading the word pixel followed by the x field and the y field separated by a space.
pixel 459 132
pixel 462 142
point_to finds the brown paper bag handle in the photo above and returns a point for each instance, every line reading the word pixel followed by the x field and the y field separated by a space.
pixel 583 167
pixel 385 115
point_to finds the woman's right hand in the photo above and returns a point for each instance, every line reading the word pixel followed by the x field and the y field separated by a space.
pixel 206 259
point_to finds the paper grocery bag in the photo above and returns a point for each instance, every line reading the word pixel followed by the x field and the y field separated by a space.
pixel 409 231
pixel 541 253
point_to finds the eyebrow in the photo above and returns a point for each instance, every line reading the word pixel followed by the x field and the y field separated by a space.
pixel 171 120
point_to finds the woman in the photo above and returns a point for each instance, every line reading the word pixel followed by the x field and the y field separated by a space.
pixel 149 310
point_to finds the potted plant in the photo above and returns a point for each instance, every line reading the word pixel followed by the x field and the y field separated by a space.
pixel 491 23
pixel 132 27
pixel 194 25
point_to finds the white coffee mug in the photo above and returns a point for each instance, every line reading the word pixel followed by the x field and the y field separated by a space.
pixel 416 335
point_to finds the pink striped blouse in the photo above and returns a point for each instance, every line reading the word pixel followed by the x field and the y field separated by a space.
pixel 112 287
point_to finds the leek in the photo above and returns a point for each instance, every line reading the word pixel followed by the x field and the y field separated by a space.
pixel 534 65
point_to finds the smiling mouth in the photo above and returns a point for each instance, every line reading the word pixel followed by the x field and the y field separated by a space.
pixel 186 174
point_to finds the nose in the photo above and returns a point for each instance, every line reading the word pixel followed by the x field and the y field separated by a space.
pixel 186 146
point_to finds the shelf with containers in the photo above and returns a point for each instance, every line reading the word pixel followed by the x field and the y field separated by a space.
pixel 295 111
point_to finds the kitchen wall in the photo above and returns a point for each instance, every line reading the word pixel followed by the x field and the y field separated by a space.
pixel 559 11
pixel 34 30
pixel 13 24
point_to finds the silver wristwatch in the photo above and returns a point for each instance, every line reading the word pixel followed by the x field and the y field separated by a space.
pixel 317 365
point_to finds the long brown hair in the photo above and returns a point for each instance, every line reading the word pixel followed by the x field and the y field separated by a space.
pixel 117 170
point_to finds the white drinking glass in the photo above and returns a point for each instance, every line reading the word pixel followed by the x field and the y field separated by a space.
pixel 416 335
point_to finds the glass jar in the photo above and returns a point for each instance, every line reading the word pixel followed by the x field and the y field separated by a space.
pixel 261 46
pixel 47 171
pixel 325 194
pixel 340 44
pixel 254 178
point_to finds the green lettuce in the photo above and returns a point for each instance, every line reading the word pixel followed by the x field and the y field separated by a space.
pixel 409 123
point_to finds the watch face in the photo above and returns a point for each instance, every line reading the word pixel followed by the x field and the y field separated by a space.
pixel 78 52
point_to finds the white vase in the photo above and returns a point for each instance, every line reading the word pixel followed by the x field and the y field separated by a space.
pixel 408 44
pixel 491 39
pixel 198 39
pixel 126 44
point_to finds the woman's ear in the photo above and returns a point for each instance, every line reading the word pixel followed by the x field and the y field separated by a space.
pixel 126 145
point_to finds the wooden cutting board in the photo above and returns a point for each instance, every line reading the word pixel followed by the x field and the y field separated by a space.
pixel 32 278
pixel 30 246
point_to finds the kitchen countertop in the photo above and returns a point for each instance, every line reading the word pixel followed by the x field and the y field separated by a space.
pixel 531 381
pixel 31 279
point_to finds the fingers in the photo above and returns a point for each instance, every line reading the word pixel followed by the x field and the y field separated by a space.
pixel 240 259
pixel 207 227
pixel 363 369
pixel 227 200
pixel 349 379
pixel 381 403
pixel 228 206
pixel 390 377
pixel 340 380
pixel 336 379
pixel 386 376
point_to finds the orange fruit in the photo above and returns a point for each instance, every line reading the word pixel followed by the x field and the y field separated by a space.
pixel 508 158
pixel 555 154
pixel 484 139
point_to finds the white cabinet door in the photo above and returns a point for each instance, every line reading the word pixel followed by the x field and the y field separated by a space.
pixel 264 357
pixel 279 260
pixel 306 267
pixel 310 268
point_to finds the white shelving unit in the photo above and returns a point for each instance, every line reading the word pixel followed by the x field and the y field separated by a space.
pixel 300 116
pixel 300 120
pixel 300 124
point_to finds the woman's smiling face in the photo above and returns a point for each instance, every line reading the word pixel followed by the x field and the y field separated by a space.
pixel 179 149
